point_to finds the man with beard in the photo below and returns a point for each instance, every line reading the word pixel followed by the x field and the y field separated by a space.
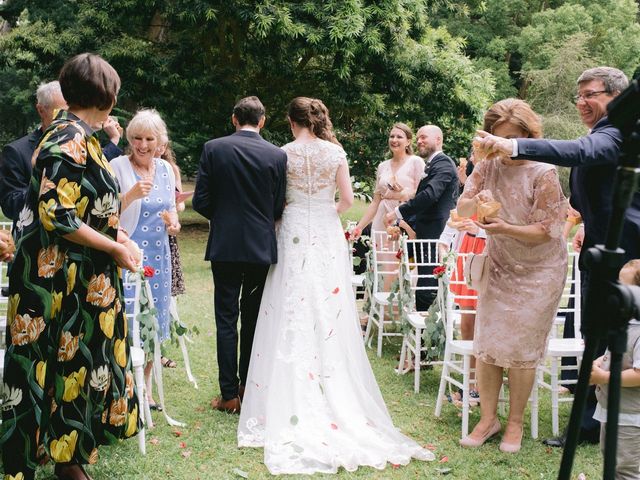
pixel 435 197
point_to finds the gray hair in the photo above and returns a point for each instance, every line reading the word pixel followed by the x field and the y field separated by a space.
pixel 615 81
pixel 148 120
pixel 46 93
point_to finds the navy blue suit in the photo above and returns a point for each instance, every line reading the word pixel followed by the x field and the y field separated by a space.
pixel 15 171
pixel 594 159
pixel 240 189
pixel 436 195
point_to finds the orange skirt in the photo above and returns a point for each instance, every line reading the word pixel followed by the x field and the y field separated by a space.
pixel 470 244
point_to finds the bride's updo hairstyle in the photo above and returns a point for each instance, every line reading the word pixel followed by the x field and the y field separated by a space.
pixel 311 113
pixel 516 112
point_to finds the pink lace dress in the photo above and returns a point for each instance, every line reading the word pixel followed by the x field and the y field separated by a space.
pixel 408 175
pixel 516 312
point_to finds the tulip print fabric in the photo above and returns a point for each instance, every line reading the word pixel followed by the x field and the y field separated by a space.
pixel 67 384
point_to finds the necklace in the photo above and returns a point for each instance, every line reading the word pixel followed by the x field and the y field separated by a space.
pixel 146 174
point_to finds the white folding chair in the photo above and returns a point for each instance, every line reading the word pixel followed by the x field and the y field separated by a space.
pixel 132 307
pixel 458 354
pixel 416 253
pixel 558 347
pixel 385 265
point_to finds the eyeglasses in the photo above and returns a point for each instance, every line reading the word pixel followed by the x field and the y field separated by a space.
pixel 588 95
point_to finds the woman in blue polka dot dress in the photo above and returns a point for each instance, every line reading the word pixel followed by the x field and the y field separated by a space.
pixel 148 208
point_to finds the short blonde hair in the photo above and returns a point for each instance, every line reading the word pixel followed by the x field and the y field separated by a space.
pixel 148 120
pixel 515 112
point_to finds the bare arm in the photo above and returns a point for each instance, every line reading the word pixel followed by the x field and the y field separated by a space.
pixel 535 233
pixel 370 212
pixel 88 237
pixel 343 181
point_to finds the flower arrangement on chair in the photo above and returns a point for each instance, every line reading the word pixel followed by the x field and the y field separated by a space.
pixel 147 316
pixel 434 334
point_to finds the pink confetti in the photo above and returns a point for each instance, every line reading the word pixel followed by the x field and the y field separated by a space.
pixel 430 446
pixel 310 376
pixel 334 426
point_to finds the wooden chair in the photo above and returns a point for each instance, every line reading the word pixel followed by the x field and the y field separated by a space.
pixel 416 253
pixel 458 355
pixel 138 361
pixel 385 265
pixel 558 347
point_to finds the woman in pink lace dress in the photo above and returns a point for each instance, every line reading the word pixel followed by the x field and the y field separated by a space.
pixel 526 264
pixel 396 179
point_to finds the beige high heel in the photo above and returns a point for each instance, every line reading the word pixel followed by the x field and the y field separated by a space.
pixel 469 442
pixel 512 447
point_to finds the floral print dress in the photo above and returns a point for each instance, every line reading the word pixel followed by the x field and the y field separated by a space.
pixel 67 385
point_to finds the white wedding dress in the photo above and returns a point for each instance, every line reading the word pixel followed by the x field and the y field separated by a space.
pixel 311 398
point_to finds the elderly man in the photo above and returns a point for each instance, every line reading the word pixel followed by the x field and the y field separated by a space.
pixel 436 195
pixel 594 159
pixel 15 161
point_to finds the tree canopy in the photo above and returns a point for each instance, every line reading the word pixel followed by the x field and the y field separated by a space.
pixel 373 62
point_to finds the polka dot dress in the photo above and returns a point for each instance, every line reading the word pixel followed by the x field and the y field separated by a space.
pixel 151 235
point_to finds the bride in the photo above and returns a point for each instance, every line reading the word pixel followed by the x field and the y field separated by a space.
pixel 311 398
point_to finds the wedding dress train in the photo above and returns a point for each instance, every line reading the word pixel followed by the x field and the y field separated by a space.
pixel 311 399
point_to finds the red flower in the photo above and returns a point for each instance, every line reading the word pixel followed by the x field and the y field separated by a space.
pixel 439 271
pixel 347 235
pixel 148 271
pixel 399 254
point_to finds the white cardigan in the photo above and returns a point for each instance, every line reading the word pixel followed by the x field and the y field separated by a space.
pixel 127 179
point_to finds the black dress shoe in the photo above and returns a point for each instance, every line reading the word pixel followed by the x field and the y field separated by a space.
pixel 557 442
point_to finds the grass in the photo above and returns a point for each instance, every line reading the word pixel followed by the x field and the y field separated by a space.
pixel 206 447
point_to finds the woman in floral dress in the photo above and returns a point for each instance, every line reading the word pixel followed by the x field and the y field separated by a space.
pixel 67 385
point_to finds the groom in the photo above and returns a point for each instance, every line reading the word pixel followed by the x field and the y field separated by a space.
pixel 240 188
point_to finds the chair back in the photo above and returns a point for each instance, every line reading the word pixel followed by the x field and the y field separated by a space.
pixel 384 258
pixel 132 281
pixel 420 257
pixel 571 299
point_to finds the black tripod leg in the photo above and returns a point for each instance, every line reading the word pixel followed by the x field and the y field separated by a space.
pixel 582 389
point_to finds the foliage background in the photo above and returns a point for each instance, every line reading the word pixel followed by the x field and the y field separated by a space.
pixel 372 62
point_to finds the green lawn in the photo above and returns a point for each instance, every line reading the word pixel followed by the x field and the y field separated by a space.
pixel 206 447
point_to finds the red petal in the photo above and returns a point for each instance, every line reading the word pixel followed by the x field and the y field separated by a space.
pixel 183 445
pixel 336 290
pixel 444 459
pixel 334 426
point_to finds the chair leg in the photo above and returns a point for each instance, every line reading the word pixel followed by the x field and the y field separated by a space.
pixel 466 367
pixel 555 427
pixel 443 382
pixel 380 331
pixel 403 355
pixel 416 360
pixel 143 408
pixel 534 407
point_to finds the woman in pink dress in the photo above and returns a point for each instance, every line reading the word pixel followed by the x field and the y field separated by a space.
pixel 396 179
pixel 526 268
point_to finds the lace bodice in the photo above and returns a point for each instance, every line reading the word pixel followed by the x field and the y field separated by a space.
pixel 311 169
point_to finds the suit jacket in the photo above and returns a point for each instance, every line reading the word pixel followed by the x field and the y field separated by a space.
pixel 436 195
pixel 594 159
pixel 241 188
pixel 15 171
